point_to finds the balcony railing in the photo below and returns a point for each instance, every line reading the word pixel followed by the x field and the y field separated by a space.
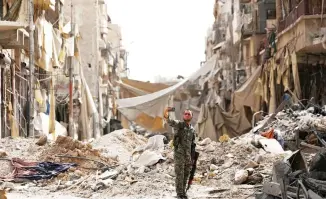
pixel 305 7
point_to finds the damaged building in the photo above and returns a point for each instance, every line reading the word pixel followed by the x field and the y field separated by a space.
pixel 62 59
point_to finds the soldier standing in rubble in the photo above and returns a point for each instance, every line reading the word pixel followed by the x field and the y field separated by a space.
pixel 183 139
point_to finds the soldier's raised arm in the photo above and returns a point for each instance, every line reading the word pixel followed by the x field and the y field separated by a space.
pixel 173 123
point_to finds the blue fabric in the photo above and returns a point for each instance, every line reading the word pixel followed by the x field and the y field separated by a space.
pixel 279 138
pixel 286 97
pixel 47 107
pixel 46 170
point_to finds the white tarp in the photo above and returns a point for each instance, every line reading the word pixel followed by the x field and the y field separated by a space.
pixel 148 158
pixel 42 124
pixel 154 104
pixel 155 143
pixel 151 153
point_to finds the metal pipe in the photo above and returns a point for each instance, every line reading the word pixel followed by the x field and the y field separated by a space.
pixel 31 68
pixel 1 134
pixel 13 99
pixel 253 118
pixel 97 125
pixel 5 101
pixel 71 120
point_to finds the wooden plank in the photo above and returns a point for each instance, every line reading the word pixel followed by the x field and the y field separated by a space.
pixel 304 144
pixel 272 188
pixel 279 108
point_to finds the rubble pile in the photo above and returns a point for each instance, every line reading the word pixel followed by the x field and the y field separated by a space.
pixel 289 122
pixel 294 178
pixel 119 144
pixel 218 166
pixel 137 166
pixel 18 147
pixel 235 162
pixel 66 149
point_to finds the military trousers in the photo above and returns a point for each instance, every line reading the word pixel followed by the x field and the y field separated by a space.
pixel 182 167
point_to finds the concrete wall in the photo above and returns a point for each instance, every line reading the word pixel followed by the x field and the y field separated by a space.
pixel 114 38
pixel 297 32
pixel 85 17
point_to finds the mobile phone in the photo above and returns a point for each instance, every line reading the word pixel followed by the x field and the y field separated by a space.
pixel 171 109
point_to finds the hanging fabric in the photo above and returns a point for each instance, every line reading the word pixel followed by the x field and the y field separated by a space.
pixel 295 72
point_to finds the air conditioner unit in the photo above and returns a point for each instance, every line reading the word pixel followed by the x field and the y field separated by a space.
pixel 101 2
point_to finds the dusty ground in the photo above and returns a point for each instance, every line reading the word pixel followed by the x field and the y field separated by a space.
pixel 217 165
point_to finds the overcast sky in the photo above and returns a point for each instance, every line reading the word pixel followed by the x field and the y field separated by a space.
pixel 163 37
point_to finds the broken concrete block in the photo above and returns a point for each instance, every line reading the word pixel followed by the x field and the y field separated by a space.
pixel 271 145
pixel 210 148
pixel 272 188
pixel 241 176
pixel 42 140
pixel 109 174
pixel 130 170
pixel 213 167
pixel 313 195
pixel 229 155
pixel 258 159
pixel 228 164
pixel 251 164
pixel 311 110
pixel 141 169
pixel 107 182
pixel 255 178
pixel 79 173
pixel 73 176
pixel 2 153
pixel 8 185
pixel 250 171
pixel 199 148
pixel 171 172
pixel 204 142
pixel 69 183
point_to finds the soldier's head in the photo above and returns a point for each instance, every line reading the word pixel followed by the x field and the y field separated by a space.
pixel 187 115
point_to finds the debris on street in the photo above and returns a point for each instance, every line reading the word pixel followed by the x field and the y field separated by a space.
pixel 123 163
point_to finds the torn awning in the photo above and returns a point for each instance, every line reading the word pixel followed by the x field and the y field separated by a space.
pixel 13 35
pixel 139 108
pixel 10 25
pixel 245 95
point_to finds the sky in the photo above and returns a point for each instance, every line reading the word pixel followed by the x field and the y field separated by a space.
pixel 163 37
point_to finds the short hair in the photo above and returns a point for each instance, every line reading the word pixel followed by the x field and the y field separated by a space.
pixel 189 112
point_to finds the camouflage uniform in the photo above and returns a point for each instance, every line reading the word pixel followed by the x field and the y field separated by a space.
pixel 183 139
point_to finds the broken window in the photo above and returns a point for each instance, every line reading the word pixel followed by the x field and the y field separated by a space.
pixel 271 14
pixel 1 9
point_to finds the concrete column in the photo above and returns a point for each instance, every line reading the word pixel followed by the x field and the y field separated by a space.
pixel 278 10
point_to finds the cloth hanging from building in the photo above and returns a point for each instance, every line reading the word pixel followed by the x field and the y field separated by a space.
pixel 52 111
pixel 88 115
pixel 272 99
pixel 213 122
pixel 295 72
pixel 13 12
pixel 246 95
pixel 61 113
pixel 35 170
pixel 153 105
pixel 47 45
pixel 205 126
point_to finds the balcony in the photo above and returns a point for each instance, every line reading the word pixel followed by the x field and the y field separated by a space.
pixel 257 16
pixel 305 7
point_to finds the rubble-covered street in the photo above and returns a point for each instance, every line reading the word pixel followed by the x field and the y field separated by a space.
pixel 124 164
pixel 120 176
